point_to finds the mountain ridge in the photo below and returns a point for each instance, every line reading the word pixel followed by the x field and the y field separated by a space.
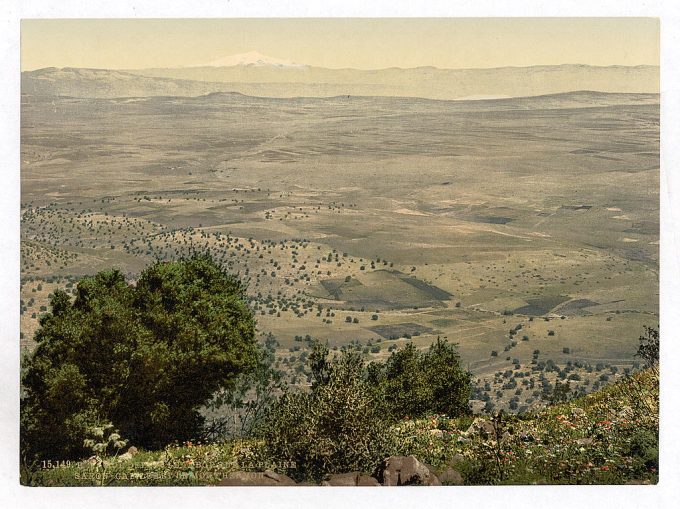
pixel 268 81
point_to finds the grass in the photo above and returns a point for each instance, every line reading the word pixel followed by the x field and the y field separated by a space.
pixel 607 437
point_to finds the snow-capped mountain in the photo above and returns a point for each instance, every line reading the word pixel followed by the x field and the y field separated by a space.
pixel 252 58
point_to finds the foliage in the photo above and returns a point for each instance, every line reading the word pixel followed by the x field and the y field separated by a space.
pixel 560 393
pixel 413 383
pixel 186 464
pixel 337 427
pixel 237 411
pixel 103 440
pixel 143 357
pixel 607 437
pixel 648 350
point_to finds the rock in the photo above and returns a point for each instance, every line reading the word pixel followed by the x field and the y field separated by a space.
pixel 584 441
pixel 457 458
pixel 367 480
pixel 407 470
pixel 436 433
pixel 451 477
pixel 266 478
pixel 351 479
pixel 483 427
pixel 124 457
pixel 578 412
pixel 94 460
pixel 132 450
pixel 348 479
pixel 282 479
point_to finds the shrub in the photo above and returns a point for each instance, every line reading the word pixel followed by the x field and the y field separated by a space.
pixel 337 427
pixel 648 350
pixel 415 383
pixel 143 357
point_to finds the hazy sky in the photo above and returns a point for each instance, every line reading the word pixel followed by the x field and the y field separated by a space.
pixel 341 42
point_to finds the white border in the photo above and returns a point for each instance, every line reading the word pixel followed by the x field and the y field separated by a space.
pixel 13 495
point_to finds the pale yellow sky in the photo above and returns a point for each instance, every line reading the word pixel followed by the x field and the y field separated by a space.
pixel 341 42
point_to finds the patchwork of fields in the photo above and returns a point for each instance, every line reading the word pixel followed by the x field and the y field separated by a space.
pixel 526 230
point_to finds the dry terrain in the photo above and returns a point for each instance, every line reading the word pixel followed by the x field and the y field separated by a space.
pixel 526 230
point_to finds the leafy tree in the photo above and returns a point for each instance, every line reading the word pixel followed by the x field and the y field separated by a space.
pixel 336 427
pixel 648 350
pixel 143 357
pixel 319 364
pixel 414 383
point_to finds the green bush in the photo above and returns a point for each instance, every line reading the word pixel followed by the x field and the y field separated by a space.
pixel 337 427
pixel 142 357
pixel 413 383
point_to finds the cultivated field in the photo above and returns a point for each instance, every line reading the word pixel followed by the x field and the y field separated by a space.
pixel 526 230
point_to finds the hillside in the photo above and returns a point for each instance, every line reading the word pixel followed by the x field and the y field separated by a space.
pixel 101 83
pixel 305 81
pixel 607 437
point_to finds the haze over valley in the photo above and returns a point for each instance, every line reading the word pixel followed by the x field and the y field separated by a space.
pixel 514 211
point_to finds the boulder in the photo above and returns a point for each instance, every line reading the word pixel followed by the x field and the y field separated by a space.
pixel 457 458
pixel 405 471
pixel 132 450
pixel 451 477
pixel 266 478
pixel 347 479
pixel 282 479
pixel 367 480
pixel 483 427
pixel 351 479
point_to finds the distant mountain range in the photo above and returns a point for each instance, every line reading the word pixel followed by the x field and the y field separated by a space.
pixel 252 58
pixel 257 75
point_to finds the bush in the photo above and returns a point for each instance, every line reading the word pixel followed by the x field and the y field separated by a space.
pixel 415 383
pixel 648 349
pixel 337 427
pixel 143 357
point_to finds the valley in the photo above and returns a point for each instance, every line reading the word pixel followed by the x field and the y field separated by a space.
pixel 525 230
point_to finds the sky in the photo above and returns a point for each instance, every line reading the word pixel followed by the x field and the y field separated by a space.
pixel 361 43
